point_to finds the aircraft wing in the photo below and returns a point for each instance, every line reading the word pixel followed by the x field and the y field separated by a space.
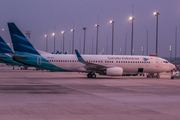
pixel 88 65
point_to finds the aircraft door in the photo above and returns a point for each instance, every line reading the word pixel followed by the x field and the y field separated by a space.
pixel 39 61
pixel 157 63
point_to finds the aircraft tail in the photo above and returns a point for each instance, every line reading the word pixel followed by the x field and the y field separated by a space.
pixel 20 42
pixel 4 48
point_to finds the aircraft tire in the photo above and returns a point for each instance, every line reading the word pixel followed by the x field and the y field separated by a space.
pixel 157 76
pixel 93 76
pixel 89 75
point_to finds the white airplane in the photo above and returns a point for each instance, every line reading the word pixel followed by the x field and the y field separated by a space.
pixel 110 65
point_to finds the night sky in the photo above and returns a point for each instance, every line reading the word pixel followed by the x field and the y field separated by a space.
pixel 47 16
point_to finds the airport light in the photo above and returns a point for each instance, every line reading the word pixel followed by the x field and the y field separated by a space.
pixel 121 50
pixel 132 19
pixel 97 26
pixel 46 36
pixel 84 39
pixel 53 34
pixel 112 22
pixel 72 30
pixel 142 50
pixel 63 40
pixel 170 48
pixel 156 14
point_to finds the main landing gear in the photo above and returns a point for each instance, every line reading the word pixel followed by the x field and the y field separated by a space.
pixel 91 75
pixel 153 76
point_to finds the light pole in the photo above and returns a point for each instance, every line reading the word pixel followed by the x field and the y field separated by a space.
pixel 175 44
pixel 72 30
pixel 92 45
pixel 84 39
pixel 147 43
pixel 97 26
pixel 112 22
pixel 80 46
pixel 107 46
pixel 170 48
pixel 156 14
pixel 53 34
pixel 46 36
pixel 125 44
pixel 132 50
pixel 63 40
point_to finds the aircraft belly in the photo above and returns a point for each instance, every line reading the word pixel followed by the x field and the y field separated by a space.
pixel 75 67
pixel 129 69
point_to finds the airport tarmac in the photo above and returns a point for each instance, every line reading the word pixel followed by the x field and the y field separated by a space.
pixel 37 95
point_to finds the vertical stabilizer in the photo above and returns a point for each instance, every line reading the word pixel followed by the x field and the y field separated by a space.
pixel 20 42
pixel 4 48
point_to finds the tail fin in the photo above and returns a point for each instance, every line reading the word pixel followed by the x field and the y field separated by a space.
pixel 20 42
pixel 4 48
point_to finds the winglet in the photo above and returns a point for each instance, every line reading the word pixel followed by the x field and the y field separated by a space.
pixel 80 59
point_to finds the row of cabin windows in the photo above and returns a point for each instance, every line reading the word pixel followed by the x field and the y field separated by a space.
pixel 99 61
pixel 63 60
pixel 73 61
pixel 93 61
pixel 132 62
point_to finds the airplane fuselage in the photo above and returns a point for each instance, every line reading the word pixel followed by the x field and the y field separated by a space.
pixel 70 63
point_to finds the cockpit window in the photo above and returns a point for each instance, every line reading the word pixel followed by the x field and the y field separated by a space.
pixel 165 61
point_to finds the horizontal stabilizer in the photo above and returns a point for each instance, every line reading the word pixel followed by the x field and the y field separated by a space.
pixel 18 56
pixel 3 56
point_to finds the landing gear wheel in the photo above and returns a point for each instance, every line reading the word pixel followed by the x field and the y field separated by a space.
pixel 148 76
pixel 93 76
pixel 157 76
pixel 89 75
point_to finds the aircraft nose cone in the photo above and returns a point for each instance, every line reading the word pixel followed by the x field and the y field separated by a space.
pixel 172 66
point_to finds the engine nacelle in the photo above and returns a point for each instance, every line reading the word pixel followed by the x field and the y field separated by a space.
pixel 114 71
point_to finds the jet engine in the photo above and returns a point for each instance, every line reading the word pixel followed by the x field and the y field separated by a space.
pixel 114 71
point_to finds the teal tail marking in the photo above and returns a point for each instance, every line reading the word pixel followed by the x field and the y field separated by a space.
pixel 20 42
pixel 4 48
